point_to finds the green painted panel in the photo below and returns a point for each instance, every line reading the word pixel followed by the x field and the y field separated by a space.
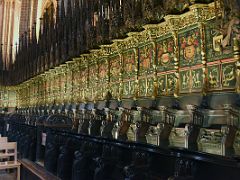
pixel 146 59
pixel 129 64
pixel 162 85
pixel 228 75
pixel 132 88
pixel 146 87
pixel 93 74
pixel 171 83
pixel 184 81
pixel 126 89
pixel 165 54
pixel 115 90
pixel 214 48
pixel 103 71
pixel 88 94
pixel 150 86
pixel 197 79
pixel 189 47
pixel 129 89
pixel 142 87
pixel 191 80
pixel 115 68
pixel 214 77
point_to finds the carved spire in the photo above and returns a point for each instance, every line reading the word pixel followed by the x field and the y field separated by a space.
pixel 80 35
pixel 1 58
pixel 34 49
pixel 25 56
pixel 16 68
pixel 40 39
pixel 69 27
pixel 58 34
pixel 62 37
pixel 76 23
pixel 10 57
pixel 62 10
pixel 52 37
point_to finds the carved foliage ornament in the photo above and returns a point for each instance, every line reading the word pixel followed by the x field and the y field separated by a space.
pixel 229 23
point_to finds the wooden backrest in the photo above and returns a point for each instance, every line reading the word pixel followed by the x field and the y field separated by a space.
pixel 3 139
pixel 10 146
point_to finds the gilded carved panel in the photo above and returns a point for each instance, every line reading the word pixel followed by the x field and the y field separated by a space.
pixel 146 59
pixel 103 78
pixel 128 88
pixel 142 84
pixel 150 87
pixel 189 46
pixel 146 87
pixel 8 98
pixel 93 80
pixel 166 84
pixel 129 68
pixel 184 80
pixel 93 74
pixel 216 48
pixel 221 76
pixel 41 93
pixel 228 76
pixel 197 79
pixel 162 85
pixel 129 63
pixel 76 85
pixel 83 81
pixel 88 94
pixel 171 83
pixel 115 65
pixel 69 81
pixel 58 81
pixel 214 77
pixel 191 80
pixel 115 68
pixel 53 87
pixel 115 90
pixel 165 53
pixel 62 87
pixel 80 84
pixel 103 70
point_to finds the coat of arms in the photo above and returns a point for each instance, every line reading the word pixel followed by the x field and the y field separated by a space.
pixel 165 51
pixel 189 44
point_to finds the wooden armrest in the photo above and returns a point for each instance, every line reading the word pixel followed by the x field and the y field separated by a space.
pixel 9 164
pixel 37 170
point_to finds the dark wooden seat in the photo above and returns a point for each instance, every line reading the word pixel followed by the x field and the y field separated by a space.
pixel 36 171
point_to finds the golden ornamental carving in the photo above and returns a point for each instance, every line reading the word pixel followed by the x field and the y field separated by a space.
pixel 236 49
pixel 198 14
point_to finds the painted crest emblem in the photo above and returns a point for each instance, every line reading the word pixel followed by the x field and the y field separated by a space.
pixel 165 58
pixel 189 44
pixel 189 52
pixel 165 51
